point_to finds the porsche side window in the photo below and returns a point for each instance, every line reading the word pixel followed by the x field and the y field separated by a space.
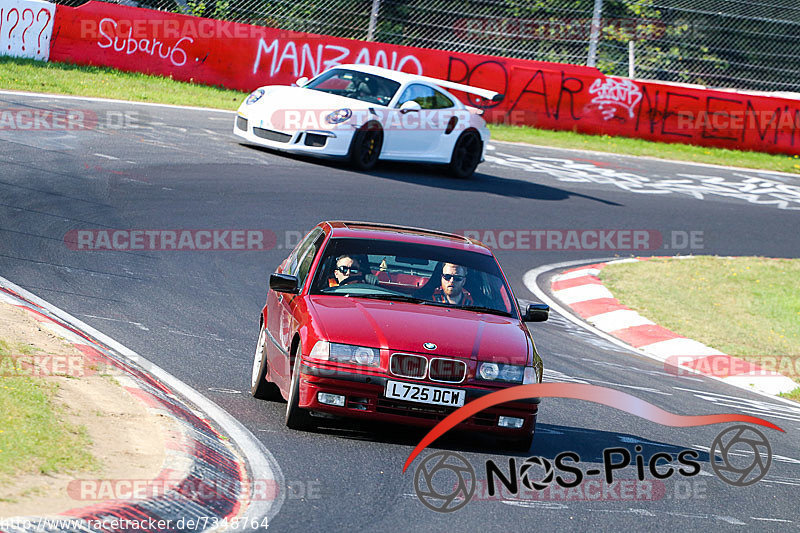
pixel 425 96
pixel 442 102
pixel 421 94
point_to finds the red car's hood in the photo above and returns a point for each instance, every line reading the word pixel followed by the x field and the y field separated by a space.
pixel 401 326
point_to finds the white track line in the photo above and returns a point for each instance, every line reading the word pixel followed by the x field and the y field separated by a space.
pixel 582 152
pixel 113 100
pixel 618 319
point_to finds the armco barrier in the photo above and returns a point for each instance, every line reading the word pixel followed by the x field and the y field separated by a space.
pixel 546 95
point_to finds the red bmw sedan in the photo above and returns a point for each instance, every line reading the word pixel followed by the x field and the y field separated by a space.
pixel 397 324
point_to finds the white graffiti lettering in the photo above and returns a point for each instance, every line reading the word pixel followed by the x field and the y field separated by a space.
pixel 176 55
pixel 611 94
pixel 306 62
pixel 755 189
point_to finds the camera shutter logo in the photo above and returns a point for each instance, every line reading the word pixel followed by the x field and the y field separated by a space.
pixel 741 467
pixel 526 470
pixel 456 482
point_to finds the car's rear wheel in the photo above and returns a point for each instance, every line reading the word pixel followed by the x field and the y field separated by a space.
pixel 296 417
pixel 365 148
pixel 259 386
pixel 466 155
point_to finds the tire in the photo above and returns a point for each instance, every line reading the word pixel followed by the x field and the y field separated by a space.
pixel 259 387
pixel 296 417
pixel 466 155
pixel 365 149
pixel 523 444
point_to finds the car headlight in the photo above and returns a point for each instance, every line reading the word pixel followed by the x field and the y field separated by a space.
pixel 532 374
pixel 339 116
pixel 346 353
pixel 254 97
pixel 499 372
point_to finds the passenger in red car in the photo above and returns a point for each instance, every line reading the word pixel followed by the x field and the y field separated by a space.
pixel 347 270
pixel 452 288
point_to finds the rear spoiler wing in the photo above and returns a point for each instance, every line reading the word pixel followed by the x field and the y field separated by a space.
pixel 483 93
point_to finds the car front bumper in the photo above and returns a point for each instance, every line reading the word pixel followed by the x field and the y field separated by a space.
pixel 365 398
pixel 321 143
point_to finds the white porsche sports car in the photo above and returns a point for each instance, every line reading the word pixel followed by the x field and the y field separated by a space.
pixel 365 114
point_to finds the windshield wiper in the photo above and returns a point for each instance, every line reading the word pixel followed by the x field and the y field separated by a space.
pixel 482 309
pixel 392 297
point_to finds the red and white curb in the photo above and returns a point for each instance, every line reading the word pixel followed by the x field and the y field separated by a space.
pixel 580 290
pixel 196 451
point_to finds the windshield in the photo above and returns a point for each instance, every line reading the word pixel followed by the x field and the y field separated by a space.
pixel 353 84
pixel 422 274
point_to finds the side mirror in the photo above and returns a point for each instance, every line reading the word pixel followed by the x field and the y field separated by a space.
pixel 301 82
pixel 536 313
pixel 410 106
pixel 283 283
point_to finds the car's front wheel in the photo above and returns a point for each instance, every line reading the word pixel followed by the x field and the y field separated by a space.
pixel 259 386
pixel 365 148
pixel 466 155
pixel 296 417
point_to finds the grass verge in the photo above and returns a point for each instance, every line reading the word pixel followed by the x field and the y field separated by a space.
pixel 30 75
pixel 33 435
pixel 61 78
pixel 748 307
pixel 792 395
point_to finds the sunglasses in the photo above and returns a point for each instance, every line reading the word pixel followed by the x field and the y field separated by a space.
pixel 346 269
pixel 448 277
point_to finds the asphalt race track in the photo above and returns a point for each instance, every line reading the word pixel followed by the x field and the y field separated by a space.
pixel 195 313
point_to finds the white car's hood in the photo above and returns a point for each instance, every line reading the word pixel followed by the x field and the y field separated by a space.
pixel 286 108
pixel 284 97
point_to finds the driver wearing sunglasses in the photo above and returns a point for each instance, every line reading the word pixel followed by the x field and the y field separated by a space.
pixel 452 288
pixel 346 270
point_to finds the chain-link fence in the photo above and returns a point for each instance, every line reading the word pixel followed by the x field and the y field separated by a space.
pixel 744 44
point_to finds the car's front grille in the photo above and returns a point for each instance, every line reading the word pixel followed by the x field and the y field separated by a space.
pixel 272 135
pixel 447 370
pixel 315 139
pixel 429 412
pixel 408 365
pixel 241 123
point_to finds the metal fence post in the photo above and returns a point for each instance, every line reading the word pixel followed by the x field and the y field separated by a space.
pixel 631 61
pixel 373 19
pixel 594 36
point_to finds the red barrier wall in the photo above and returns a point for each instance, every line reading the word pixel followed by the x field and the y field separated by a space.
pixel 546 95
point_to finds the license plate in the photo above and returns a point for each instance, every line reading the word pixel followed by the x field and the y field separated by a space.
pixel 413 392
